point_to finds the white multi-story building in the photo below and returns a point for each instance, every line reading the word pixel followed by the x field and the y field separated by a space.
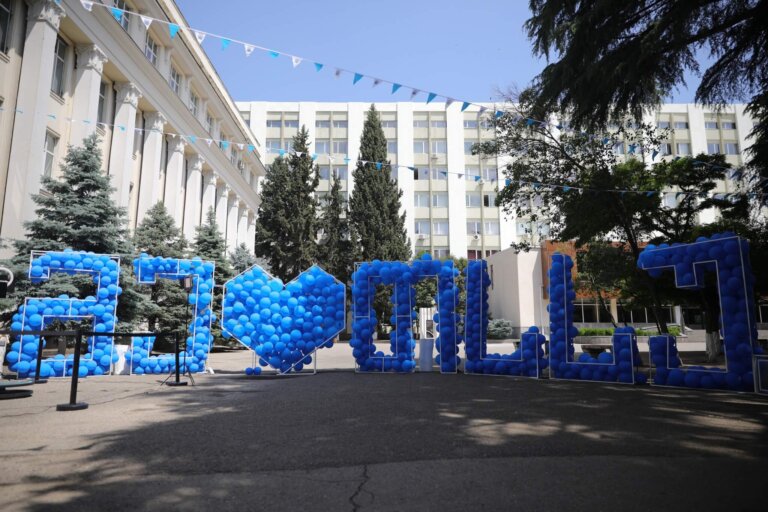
pixel 169 129
pixel 450 200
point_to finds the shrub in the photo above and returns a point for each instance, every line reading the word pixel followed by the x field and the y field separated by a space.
pixel 499 329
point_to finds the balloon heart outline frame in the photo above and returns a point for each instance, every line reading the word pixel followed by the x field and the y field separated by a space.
pixel 289 333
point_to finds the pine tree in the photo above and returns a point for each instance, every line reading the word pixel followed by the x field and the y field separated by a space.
pixel 375 203
pixel 287 225
pixel 241 259
pixel 336 251
pixel 210 244
pixel 158 235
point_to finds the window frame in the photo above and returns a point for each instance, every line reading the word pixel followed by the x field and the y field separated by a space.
pixel 435 201
pixel 59 65
pixel 424 143
pixel 323 146
pixel 441 223
pixel 434 146
pixel 49 154
pixel 151 49
pixel 174 80
pixel 421 199
pixel 337 144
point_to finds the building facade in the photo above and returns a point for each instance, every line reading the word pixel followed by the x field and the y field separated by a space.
pixel 169 130
pixel 450 200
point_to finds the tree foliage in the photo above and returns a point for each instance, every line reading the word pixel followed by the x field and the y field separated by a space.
pixel 241 259
pixel 336 251
pixel 209 244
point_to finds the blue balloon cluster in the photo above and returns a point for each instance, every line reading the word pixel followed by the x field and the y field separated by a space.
pixel 143 363
pixel 149 269
pixel 446 318
pixel 476 319
pixel 284 325
pixel 728 255
pixel 37 313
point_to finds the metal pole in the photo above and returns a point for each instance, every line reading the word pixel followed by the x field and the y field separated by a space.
pixel 73 404
pixel 177 382
pixel 39 363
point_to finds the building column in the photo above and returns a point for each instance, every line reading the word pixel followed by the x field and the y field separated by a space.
pixel 174 178
pixel 27 160
pixel 121 157
pixel 152 157
pixel 242 225
pixel 250 241
pixel 85 102
pixel 232 220
pixel 192 201
pixel 221 208
pixel 209 193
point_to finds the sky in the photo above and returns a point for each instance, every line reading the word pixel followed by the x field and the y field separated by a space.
pixel 470 51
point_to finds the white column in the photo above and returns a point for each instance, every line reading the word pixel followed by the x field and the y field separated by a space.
pixel 26 159
pixel 174 178
pixel 121 158
pixel 209 193
pixel 192 198
pixel 222 207
pixel 150 183
pixel 232 220
pixel 251 234
pixel 85 103
pixel 242 225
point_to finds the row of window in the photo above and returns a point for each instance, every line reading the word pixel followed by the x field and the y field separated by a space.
pixel 441 227
pixel 385 123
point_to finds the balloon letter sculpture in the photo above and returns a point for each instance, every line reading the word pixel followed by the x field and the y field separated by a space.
pixel 620 365
pixel 148 269
pixel 284 325
pixel 728 256
pixel 367 277
pixel 37 313
pixel 527 361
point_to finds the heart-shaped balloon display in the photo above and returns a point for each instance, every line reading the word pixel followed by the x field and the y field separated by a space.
pixel 284 324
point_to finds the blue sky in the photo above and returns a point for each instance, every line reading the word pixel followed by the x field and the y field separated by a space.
pixel 466 50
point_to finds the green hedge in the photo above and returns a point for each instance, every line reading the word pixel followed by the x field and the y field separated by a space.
pixel 608 331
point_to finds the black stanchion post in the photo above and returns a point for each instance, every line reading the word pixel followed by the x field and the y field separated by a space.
pixel 176 382
pixel 39 363
pixel 73 404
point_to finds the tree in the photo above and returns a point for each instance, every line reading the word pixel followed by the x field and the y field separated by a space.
pixel 336 251
pixel 287 224
pixel 619 58
pixel 375 202
pixel 241 259
pixel 158 235
pixel 210 245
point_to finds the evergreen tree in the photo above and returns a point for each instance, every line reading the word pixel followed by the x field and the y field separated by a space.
pixel 157 235
pixel 210 244
pixel 336 251
pixel 375 203
pixel 287 225
pixel 241 259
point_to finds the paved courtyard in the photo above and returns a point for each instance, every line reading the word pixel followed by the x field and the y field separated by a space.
pixel 341 441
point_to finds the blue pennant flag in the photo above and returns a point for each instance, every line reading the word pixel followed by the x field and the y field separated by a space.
pixel 530 122
pixel 650 194
pixel 224 144
pixel 122 127
pixel 314 156
pixel 559 126
pixel 464 106
pixel 507 182
pixel 52 116
pixel 444 173
pixel 378 166
pixel 117 13
pixel 86 121
pixel 274 54
pixel 251 147
pixel 346 160
pixel 225 43
pixel 318 66
pixel 477 178
pixel 632 149
pixel 173 29
pixel 395 87
pixel 431 96
pixel 498 114
pixel 282 152
pixel 357 78
pixel 606 140
pixel 192 138
pixel 566 188
pixel 653 155
pixel 414 169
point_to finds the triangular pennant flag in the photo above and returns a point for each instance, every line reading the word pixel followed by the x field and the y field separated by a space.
pixel 357 78
pixel 318 66
pixel 449 102
pixel 464 106
pixel 431 96
pixel 88 6
pixel 146 21
pixel 632 149
pixel 248 49
pixel 376 82
pixel 224 144
pixel 507 182
pixel 122 127
pixel 498 114
pixel 414 92
pixel 209 141
pixel 225 43
pixel 251 147
pixel 298 153
pixel 395 87
pixel 482 110
pixel 314 156
pixel 346 160
pixel 295 60
pixel 378 166
pixel 337 73
pixel 530 122
pixel 282 152
pixel 650 194
pixel 566 188
pixel 117 13
pixel 461 176
pixel 444 173
pixel 606 140
pixel 653 155
pixel 173 29
pixel 199 36
pixel 241 146
pixel 477 178
pixel 192 138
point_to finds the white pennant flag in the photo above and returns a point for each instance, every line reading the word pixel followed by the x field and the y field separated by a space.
pixel 147 21
pixel 376 82
pixel 208 141
pixel 449 102
pixel 337 73
pixel 298 153
pixel 414 92
pixel 241 146
pixel 295 60
pixel 88 6
pixel 248 49
pixel 199 36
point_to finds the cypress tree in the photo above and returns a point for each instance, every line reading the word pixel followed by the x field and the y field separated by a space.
pixel 210 244
pixel 241 259
pixel 375 203
pixel 336 251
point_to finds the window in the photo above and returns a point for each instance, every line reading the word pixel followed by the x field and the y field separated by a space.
pixel 440 200
pixel 437 123
pixel 421 199
pixel 731 148
pixel 5 24
pixel 291 123
pixel 340 147
pixel 420 123
pixel 473 200
pixel 194 103
pixel 474 254
pixel 324 171
pixel 320 123
pixel 422 227
pixel 470 123
pixel 474 227
pixel 208 122
pixel 391 146
pixel 342 123
pixel 669 200
pixel 421 174
pixel 472 173
pixel 440 227
pixel 729 125
pixel 124 19
pixel 101 115
pixel 175 80
pixel 150 50
pixel 683 148
pixel 618 148
pixel 713 148
pixel 322 146
pixel 391 123
pixel 273 145
pixel 468 143
pixel 439 147
pixel 420 146
pixel 232 155
pixel 246 117
pixel 486 124
pixel 663 124
pixel 490 174
pixel 489 253
pixel 491 227
pixel 665 148
pixel 489 200
pixel 710 125
pixel 340 172
pixel 439 173
pixel 441 253
pixel 60 56
pixel 51 141
pixel 681 125
pixel 274 123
